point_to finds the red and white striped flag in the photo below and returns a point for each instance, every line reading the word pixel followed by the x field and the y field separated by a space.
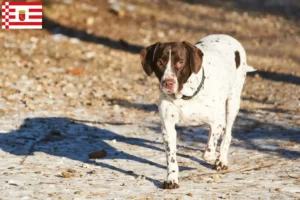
pixel 22 15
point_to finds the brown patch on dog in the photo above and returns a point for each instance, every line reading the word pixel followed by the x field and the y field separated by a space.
pixel 195 57
pixel 172 160
pixel 237 59
pixel 147 58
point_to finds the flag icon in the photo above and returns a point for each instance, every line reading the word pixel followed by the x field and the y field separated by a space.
pixel 22 15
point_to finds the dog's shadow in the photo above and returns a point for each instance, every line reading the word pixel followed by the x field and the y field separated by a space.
pixel 74 139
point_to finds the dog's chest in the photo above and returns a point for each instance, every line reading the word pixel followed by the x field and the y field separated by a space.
pixel 206 106
pixel 209 103
pixel 195 112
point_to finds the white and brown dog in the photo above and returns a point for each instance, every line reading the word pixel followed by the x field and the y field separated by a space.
pixel 198 84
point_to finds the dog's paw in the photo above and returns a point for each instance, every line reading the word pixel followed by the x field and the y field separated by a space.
pixel 219 165
pixel 170 185
pixel 210 157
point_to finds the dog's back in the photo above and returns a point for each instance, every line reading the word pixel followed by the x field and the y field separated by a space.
pixel 229 49
pixel 226 58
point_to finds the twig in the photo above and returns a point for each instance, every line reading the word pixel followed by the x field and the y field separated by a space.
pixel 31 148
pixel 244 169
pixel 100 122
pixel 291 176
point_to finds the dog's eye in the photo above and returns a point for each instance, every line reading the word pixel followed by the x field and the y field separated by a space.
pixel 179 64
pixel 160 63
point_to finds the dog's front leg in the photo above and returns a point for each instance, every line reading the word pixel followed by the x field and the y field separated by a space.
pixel 169 139
pixel 169 117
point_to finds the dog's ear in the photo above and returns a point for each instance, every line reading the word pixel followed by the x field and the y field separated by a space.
pixel 195 56
pixel 147 58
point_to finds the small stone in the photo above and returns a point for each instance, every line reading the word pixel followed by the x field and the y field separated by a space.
pixel 90 55
pixel 74 40
pixel 92 172
pixel 141 177
pixel 31 107
pixel 90 21
pixel 257 76
pixel 59 37
pixel 116 9
pixel 66 174
pixel 85 166
pixel 161 34
pixel 46 60
pixel 34 39
pixel 130 7
pixel 116 107
pixel 71 170
pixel 12 182
pixel 121 13
pixel 71 95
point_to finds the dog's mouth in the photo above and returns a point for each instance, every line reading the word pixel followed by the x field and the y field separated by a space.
pixel 168 91
pixel 169 86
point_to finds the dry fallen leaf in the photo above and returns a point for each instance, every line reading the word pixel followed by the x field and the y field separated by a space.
pixel 97 154
pixel 75 71
pixel 189 194
pixel 216 177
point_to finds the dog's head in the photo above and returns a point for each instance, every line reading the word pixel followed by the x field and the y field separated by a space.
pixel 172 63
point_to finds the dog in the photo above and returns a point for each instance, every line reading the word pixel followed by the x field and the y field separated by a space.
pixel 199 83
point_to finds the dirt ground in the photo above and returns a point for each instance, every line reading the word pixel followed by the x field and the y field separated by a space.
pixel 77 87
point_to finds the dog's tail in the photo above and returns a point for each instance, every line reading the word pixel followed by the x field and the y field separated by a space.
pixel 249 68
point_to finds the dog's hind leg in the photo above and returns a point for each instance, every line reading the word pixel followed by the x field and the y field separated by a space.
pixel 217 129
pixel 232 109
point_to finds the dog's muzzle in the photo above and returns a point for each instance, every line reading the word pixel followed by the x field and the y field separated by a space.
pixel 169 86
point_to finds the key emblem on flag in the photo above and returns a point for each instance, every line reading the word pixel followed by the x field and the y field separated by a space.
pixel 22 15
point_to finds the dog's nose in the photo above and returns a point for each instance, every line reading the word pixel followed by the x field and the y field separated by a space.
pixel 168 83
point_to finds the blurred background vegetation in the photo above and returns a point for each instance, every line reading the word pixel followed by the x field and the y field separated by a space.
pixel 98 41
